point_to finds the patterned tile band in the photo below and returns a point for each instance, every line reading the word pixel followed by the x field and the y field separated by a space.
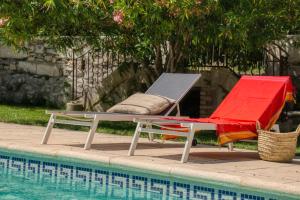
pixel 100 177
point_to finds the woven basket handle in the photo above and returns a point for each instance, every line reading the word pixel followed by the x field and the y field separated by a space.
pixel 298 129
pixel 258 127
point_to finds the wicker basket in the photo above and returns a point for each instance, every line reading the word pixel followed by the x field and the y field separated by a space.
pixel 277 147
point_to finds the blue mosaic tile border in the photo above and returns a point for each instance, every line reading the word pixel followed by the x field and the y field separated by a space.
pixel 101 177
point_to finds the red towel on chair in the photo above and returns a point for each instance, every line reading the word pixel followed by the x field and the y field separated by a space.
pixel 252 99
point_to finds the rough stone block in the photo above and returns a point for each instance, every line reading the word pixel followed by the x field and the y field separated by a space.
pixel 39 59
pixel 9 52
pixel 295 70
pixel 31 58
pixel 204 103
pixel 6 67
pixel 48 58
pixel 47 69
pixel 13 66
pixel 207 107
pixel 4 62
pixel 294 56
pixel 29 67
pixel 50 51
pixel 206 98
pixel 54 60
pixel 39 49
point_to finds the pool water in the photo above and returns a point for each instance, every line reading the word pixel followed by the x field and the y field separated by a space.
pixel 35 177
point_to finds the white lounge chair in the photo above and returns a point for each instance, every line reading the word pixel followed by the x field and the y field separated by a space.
pixel 171 85
pixel 253 99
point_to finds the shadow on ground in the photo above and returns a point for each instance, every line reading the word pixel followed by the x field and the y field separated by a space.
pixel 125 146
pixel 215 157
pixel 220 157
pixel 204 157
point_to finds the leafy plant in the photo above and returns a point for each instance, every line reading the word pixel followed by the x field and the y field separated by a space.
pixel 166 33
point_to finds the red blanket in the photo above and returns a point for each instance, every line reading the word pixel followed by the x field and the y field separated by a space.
pixel 253 99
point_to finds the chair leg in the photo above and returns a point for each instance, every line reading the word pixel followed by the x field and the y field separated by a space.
pixel 150 135
pixel 135 140
pixel 50 125
pixel 178 110
pixel 91 134
pixel 230 146
pixel 188 144
pixel 276 128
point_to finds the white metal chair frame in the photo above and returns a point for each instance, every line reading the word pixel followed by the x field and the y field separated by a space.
pixel 154 126
pixel 92 122
pixel 160 126
pixel 91 119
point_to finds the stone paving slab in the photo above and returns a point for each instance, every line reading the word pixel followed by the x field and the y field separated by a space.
pixel 240 167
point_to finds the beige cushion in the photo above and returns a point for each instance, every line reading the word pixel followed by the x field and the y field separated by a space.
pixel 145 104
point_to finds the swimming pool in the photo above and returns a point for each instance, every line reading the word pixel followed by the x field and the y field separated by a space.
pixel 33 176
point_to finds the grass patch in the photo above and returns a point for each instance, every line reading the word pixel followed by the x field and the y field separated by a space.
pixel 36 116
pixel 23 115
pixel 210 138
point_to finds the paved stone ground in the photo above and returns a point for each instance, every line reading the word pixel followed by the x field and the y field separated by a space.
pixel 240 167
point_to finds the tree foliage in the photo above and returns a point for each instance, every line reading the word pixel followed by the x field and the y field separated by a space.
pixel 166 32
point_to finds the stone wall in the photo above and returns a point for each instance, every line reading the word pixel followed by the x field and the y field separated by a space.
pixel 34 76
pixel 215 84
pixel 38 59
pixel 41 75
pixel 23 88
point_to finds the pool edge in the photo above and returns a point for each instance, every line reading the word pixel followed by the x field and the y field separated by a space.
pixel 116 161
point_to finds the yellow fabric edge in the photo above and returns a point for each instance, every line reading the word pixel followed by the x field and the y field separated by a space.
pixel 233 136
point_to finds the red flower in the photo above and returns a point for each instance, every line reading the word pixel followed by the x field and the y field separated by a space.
pixel 3 21
pixel 118 16
pixel 198 1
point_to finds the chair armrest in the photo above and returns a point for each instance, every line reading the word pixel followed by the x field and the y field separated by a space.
pixel 159 120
